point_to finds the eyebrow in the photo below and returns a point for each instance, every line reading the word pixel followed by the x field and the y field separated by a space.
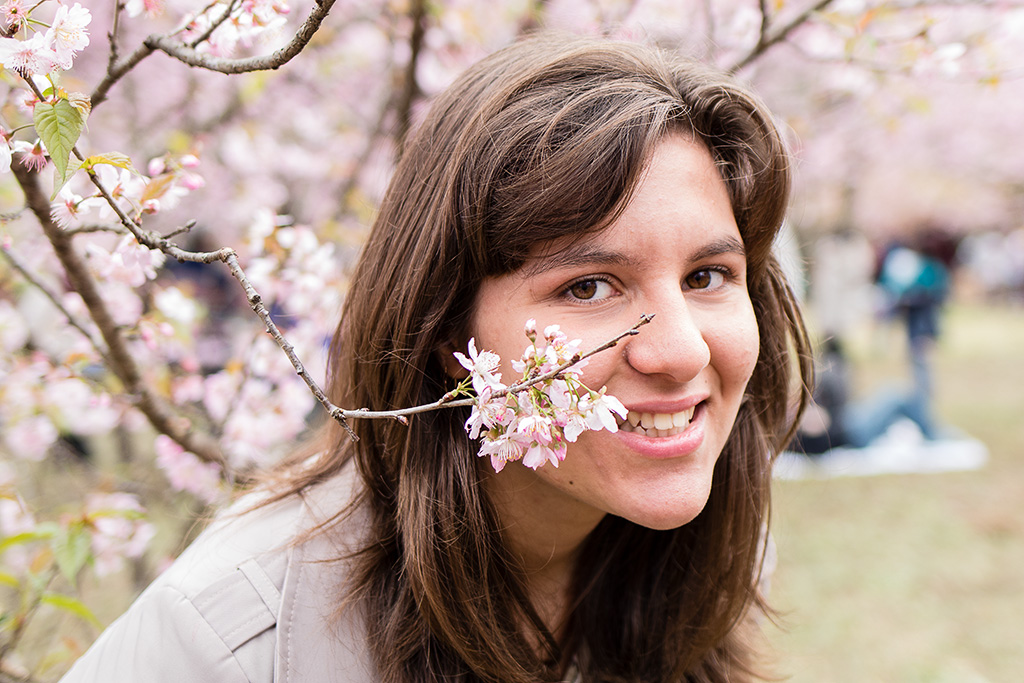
pixel 580 254
pixel 724 245
pixel 584 254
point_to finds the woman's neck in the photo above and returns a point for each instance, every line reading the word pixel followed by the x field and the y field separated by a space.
pixel 547 541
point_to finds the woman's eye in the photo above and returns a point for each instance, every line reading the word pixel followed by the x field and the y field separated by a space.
pixel 589 290
pixel 704 279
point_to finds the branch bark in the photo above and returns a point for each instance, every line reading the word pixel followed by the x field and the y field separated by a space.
pixel 189 54
pixel 410 86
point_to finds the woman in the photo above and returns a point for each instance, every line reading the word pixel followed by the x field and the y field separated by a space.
pixel 574 182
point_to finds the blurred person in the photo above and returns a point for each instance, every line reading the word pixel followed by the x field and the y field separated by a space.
pixel 572 181
pixel 916 282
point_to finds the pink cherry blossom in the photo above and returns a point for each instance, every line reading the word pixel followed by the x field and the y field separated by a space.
pixel 30 438
pixel 186 472
pixel 67 34
pixel 14 13
pixel 67 212
pixel 33 156
pixel 482 365
pixel 600 410
pixel 27 57
pixel 501 450
pixel 151 8
pixel 119 529
pixel 534 424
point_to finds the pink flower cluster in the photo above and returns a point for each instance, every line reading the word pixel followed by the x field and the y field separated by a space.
pixel 118 528
pixel 248 23
pixel 186 472
pixel 536 423
pixel 43 52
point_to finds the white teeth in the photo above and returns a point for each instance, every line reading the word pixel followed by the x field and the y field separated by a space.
pixel 681 419
pixel 662 421
pixel 657 424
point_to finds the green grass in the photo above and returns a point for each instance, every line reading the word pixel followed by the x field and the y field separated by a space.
pixel 916 578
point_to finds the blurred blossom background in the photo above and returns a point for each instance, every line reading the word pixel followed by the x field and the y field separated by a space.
pixel 899 555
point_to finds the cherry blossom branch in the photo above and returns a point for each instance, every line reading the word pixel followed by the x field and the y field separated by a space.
pixel 188 54
pixel 449 400
pixel 214 25
pixel 227 255
pixel 274 60
pixel 120 359
pixel 92 229
pixel 115 25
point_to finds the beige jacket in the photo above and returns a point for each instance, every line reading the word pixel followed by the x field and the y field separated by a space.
pixel 242 605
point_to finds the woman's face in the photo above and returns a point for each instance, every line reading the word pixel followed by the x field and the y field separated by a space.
pixel 675 252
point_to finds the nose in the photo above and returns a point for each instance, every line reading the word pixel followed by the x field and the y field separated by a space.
pixel 672 344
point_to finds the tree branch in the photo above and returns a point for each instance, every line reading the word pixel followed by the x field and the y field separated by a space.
pixel 188 54
pixel 276 59
pixel 36 282
pixel 765 42
pixel 410 87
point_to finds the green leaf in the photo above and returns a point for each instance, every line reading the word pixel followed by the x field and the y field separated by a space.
pixel 72 605
pixel 72 550
pixel 59 125
pixel 40 533
pixel 8 579
pixel 59 180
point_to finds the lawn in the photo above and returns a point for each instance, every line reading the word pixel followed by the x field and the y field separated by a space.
pixel 918 577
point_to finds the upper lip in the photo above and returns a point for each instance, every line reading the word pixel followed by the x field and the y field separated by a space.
pixel 669 407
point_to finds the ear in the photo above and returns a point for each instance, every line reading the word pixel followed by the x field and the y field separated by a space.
pixel 452 367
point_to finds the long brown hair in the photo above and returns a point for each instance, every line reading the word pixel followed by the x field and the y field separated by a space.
pixel 547 139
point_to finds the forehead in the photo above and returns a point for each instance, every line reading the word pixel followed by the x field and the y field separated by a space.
pixel 681 205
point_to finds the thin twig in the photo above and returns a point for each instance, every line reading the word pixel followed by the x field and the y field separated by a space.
pixel 446 401
pixel 112 34
pixel 214 25
pixel 187 54
pixel 764 42
pixel 256 303
pixel 92 229
pixel 36 282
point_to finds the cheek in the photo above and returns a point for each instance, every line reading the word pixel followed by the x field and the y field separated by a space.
pixel 735 348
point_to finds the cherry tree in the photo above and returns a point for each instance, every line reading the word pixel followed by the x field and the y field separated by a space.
pixel 184 187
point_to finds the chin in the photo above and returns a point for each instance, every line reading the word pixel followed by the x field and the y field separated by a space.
pixel 670 514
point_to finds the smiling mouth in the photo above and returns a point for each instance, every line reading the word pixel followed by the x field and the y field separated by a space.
pixel 657 424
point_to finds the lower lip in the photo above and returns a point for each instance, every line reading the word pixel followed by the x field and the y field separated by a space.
pixel 663 447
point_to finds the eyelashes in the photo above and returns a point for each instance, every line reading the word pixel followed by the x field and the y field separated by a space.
pixel 592 289
pixel 710 278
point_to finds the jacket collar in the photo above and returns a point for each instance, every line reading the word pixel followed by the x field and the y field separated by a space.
pixel 315 643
